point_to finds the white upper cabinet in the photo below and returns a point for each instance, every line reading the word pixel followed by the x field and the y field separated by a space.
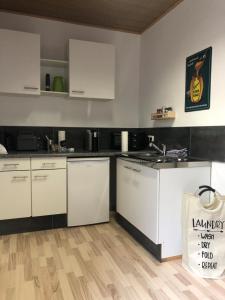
pixel 91 70
pixel 20 62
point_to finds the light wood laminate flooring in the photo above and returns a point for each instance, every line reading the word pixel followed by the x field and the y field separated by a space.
pixel 93 262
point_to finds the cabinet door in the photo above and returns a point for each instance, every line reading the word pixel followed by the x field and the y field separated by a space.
pixel 20 62
pixel 15 200
pixel 88 191
pixel 218 174
pixel 173 184
pixel 48 192
pixel 137 197
pixel 91 70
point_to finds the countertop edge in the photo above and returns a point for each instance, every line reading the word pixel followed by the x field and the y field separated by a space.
pixel 68 154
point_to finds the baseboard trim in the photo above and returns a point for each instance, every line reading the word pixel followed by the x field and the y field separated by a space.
pixel 171 258
pixel 21 225
pixel 153 248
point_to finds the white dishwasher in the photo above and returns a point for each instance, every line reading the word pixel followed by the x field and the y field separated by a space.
pixel 88 190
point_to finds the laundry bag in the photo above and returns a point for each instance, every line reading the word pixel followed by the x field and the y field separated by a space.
pixel 203 234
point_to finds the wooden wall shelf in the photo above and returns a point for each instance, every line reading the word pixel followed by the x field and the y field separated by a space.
pixel 170 115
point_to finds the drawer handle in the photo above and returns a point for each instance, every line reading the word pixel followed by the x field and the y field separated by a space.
pixel 136 170
pixel 132 169
pixel 78 91
pixel 48 163
pixel 40 176
pixel 30 88
pixel 126 167
pixel 8 165
pixel 20 177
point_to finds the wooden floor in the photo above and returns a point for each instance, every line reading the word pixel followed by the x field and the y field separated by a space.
pixel 93 262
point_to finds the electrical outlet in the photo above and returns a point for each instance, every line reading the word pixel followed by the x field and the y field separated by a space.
pixel 151 138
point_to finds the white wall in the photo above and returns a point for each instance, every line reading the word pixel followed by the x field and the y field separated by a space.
pixel 192 26
pixel 49 111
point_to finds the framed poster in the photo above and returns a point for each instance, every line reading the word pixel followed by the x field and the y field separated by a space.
pixel 198 80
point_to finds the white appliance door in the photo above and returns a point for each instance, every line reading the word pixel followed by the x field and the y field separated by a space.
pixel 88 191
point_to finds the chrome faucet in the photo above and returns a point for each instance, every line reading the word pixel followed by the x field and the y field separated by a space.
pixel 49 143
pixel 152 145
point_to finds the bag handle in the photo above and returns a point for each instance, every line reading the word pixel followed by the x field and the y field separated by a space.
pixel 206 188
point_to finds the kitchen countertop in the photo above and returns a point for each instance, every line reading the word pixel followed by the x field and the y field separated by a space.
pixel 191 162
pixel 81 153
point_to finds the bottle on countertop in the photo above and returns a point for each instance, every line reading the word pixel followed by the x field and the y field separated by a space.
pixel 95 143
pixel 47 82
pixel 91 140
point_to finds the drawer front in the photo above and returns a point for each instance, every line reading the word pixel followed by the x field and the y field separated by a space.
pixel 48 163
pixel 14 164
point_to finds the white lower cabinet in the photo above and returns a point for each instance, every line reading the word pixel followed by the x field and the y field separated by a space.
pixel 15 199
pixel 136 194
pixel 173 184
pixel 48 192
pixel 151 200
pixel 35 187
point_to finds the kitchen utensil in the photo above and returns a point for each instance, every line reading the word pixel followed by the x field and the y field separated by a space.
pixel 58 84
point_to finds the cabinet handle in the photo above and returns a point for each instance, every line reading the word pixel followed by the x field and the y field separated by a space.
pixel 20 177
pixel 132 169
pixel 78 91
pixel 30 88
pixel 136 170
pixel 48 164
pixel 126 167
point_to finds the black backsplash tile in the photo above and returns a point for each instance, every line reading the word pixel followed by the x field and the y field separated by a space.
pixel 74 136
pixel 105 136
pixel 1 136
pixel 11 133
pixel 173 137
pixel 205 142
pixel 208 142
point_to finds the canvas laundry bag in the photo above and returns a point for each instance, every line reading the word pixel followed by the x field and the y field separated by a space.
pixel 203 237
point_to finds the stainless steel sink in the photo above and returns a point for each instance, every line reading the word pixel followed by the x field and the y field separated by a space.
pixel 155 158
pixel 166 162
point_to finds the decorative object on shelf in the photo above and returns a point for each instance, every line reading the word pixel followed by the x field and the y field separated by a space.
pixel 198 81
pixel 47 82
pixel 170 115
pixel 55 68
pixel 163 113
pixel 58 84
